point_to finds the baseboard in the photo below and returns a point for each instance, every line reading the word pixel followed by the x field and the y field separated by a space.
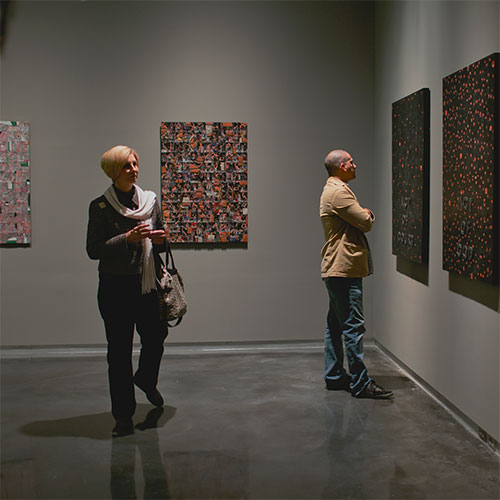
pixel 171 349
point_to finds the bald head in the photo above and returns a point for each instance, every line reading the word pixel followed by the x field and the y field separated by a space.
pixel 334 159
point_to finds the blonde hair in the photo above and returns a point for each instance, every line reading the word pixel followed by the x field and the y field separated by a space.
pixel 113 160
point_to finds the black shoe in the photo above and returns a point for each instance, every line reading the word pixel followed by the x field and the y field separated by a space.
pixel 123 428
pixel 374 391
pixel 154 396
pixel 342 384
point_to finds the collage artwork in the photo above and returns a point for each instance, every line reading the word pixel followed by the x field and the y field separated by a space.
pixel 15 211
pixel 204 182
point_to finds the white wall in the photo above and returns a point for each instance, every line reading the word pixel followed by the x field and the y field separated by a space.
pixel 446 329
pixel 89 75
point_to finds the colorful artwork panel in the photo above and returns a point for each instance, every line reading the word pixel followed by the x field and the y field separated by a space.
pixel 15 211
pixel 204 181
pixel 471 171
pixel 410 176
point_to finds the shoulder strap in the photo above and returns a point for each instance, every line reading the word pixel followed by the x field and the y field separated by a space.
pixel 168 256
pixel 176 323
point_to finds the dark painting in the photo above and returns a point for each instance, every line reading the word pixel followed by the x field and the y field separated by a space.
pixel 410 176
pixel 470 170
pixel 204 182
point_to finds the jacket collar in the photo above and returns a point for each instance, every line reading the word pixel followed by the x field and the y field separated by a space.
pixel 339 182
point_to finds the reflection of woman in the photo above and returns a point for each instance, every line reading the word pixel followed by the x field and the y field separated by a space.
pixel 124 232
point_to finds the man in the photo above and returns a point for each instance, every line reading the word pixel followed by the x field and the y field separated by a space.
pixel 345 261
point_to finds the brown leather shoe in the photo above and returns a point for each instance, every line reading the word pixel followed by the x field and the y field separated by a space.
pixel 374 391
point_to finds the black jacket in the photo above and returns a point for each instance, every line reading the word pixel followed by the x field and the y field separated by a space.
pixel 107 242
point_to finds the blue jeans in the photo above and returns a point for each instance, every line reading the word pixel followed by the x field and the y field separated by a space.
pixel 345 318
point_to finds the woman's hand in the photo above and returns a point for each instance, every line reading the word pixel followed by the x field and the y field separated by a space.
pixel 139 233
pixel 158 236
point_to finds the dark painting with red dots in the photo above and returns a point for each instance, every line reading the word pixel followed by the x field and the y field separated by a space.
pixel 410 176
pixel 204 182
pixel 470 170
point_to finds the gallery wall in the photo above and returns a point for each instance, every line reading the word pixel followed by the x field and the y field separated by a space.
pixel 89 75
pixel 443 327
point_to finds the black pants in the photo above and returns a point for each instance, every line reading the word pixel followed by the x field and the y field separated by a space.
pixel 123 307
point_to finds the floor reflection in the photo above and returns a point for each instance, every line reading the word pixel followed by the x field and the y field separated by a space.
pixel 345 424
pixel 177 474
pixel 123 461
pixel 373 447
pixel 207 474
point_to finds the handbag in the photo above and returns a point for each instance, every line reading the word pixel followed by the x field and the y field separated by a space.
pixel 170 288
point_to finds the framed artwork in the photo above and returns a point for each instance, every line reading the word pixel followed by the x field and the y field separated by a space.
pixel 204 182
pixel 410 176
pixel 470 170
pixel 15 211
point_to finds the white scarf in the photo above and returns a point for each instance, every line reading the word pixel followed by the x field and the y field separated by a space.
pixel 143 213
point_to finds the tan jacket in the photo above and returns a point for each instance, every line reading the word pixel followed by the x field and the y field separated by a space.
pixel 346 252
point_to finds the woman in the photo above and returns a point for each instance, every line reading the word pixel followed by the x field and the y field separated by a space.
pixel 124 234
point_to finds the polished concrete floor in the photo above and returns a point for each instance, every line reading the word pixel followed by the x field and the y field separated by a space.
pixel 237 424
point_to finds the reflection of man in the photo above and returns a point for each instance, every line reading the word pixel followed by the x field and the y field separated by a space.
pixel 345 261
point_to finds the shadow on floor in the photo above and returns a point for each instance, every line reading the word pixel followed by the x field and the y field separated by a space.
pixel 393 382
pixel 96 425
